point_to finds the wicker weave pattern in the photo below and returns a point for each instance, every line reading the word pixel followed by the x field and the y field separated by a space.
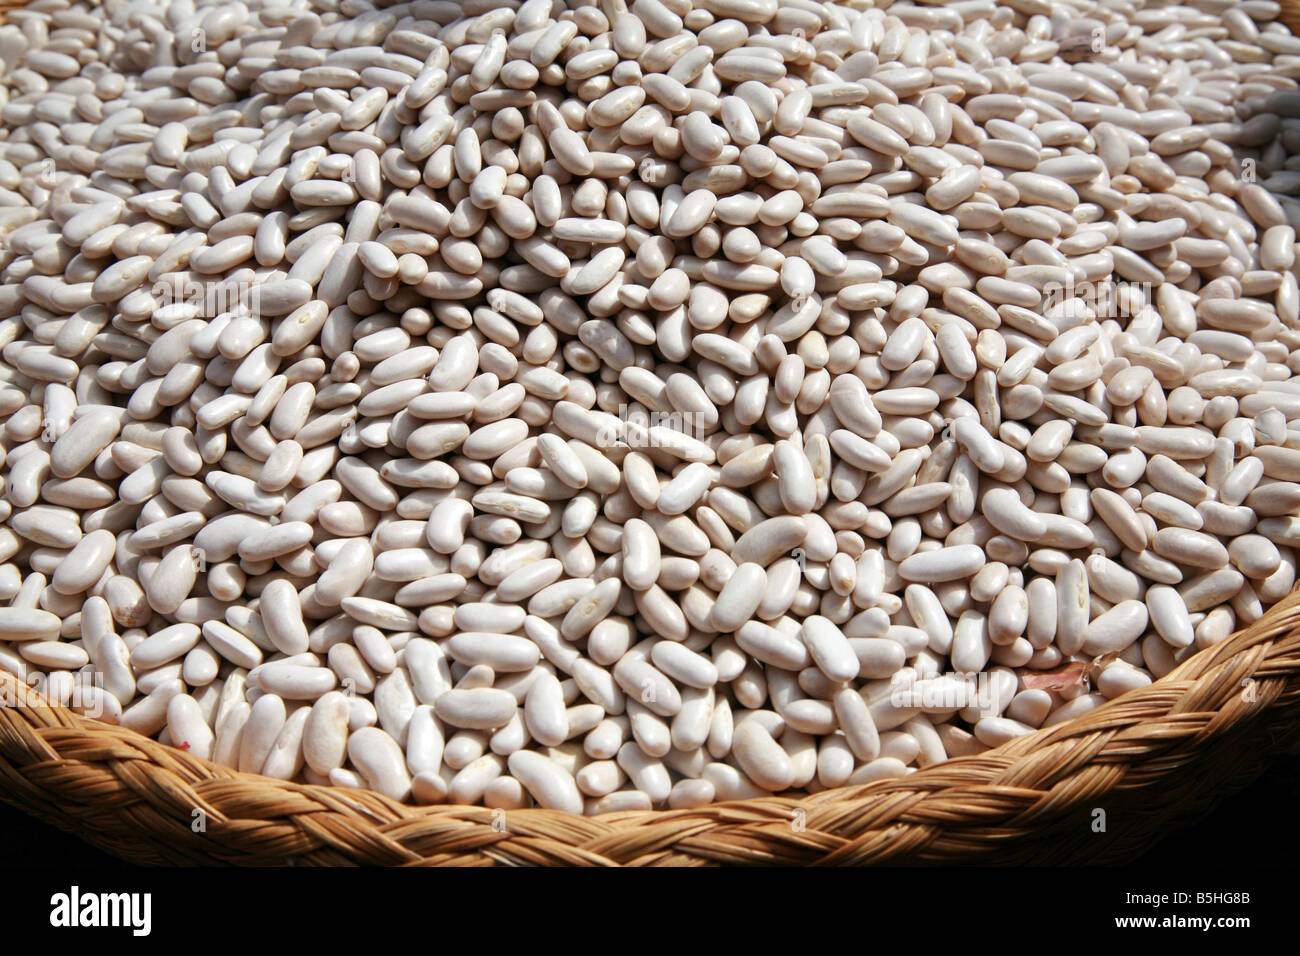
pixel 1152 759
pixel 1148 759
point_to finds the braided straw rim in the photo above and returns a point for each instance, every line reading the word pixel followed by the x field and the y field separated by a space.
pixel 1150 760
pixel 1154 756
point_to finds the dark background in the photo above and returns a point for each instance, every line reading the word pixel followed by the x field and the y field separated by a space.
pixel 1258 827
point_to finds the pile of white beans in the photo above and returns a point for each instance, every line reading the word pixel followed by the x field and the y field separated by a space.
pixel 621 405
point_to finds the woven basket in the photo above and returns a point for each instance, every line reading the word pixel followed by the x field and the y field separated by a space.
pixel 1151 761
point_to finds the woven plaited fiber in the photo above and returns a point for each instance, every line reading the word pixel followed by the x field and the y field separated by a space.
pixel 1149 761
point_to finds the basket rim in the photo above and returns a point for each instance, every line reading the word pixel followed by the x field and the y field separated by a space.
pixel 1200 699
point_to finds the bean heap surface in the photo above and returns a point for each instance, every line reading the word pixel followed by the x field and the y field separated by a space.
pixel 625 405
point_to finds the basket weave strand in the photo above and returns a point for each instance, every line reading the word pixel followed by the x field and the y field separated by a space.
pixel 1151 760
